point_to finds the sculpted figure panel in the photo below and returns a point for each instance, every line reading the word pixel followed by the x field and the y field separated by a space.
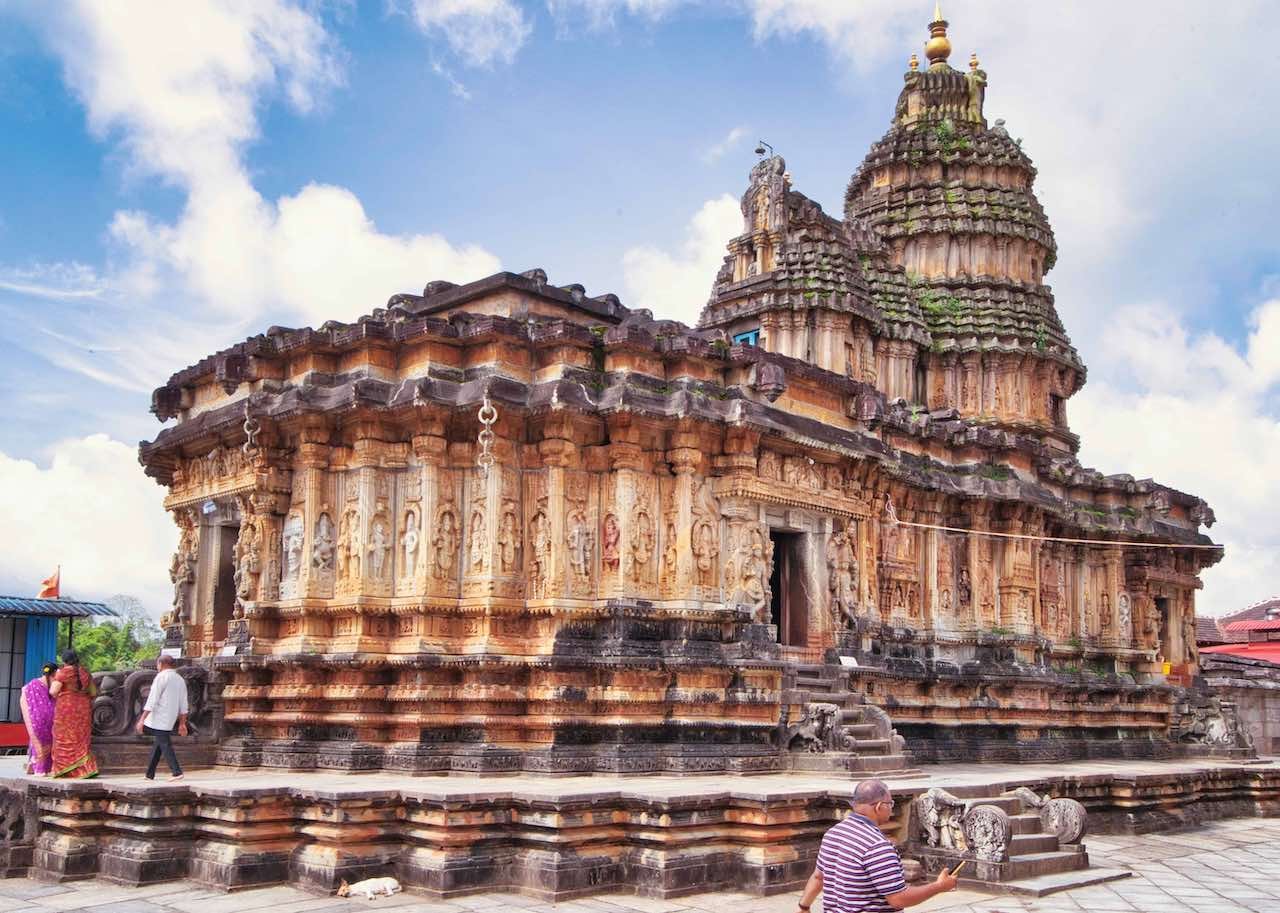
pixel 292 548
pixel 540 562
pixel 643 539
pixel 705 534
pixel 248 564
pixel 509 539
pixel 322 557
pixel 609 548
pixel 409 543
pixel 350 550
pixel 182 567
pixel 842 575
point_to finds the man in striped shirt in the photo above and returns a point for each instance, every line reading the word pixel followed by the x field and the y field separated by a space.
pixel 859 870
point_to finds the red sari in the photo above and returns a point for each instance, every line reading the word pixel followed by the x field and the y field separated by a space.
pixel 73 725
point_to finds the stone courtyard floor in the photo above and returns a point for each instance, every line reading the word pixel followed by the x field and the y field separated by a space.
pixel 1224 867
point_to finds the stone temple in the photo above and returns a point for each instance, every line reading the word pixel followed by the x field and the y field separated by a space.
pixel 511 526
pixel 838 529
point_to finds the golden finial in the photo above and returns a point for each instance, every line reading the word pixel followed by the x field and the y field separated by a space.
pixel 973 61
pixel 914 63
pixel 938 47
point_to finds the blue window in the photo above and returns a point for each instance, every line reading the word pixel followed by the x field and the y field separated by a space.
pixel 749 338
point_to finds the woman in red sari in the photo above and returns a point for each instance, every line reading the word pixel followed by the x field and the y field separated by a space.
pixel 72 691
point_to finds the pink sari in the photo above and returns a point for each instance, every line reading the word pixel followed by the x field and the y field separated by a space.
pixel 40 713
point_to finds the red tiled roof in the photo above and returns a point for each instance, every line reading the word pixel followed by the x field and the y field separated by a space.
pixel 1266 624
pixel 1255 612
pixel 1268 650
pixel 1208 632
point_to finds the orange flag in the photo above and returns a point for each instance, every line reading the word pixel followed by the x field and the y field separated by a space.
pixel 51 587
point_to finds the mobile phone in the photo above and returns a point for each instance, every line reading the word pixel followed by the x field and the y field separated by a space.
pixel 956 871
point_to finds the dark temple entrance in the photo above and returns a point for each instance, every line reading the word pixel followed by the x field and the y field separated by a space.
pixel 788 609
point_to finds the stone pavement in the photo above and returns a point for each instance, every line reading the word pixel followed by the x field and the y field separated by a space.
pixel 1223 867
pixel 456 785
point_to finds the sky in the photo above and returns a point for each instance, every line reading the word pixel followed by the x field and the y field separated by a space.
pixel 177 175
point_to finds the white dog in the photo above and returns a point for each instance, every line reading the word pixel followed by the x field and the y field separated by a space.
pixel 370 888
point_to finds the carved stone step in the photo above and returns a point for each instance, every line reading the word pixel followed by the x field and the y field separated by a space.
pixel 886 762
pixel 1052 884
pixel 1033 865
pixel 1022 844
pixel 1010 804
pixel 859 730
pixel 872 746
pixel 1028 823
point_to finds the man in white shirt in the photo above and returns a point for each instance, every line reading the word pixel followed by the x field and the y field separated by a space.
pixel 166 705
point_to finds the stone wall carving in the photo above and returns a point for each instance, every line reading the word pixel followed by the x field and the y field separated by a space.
pixel 182 568
pixel 748 558
pixel 705 536
pixel 987 831
pixel 816 731
pixel 842 575
pixel 940 818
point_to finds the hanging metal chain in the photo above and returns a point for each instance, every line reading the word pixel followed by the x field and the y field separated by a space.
pixel 252 427
pixel 487 415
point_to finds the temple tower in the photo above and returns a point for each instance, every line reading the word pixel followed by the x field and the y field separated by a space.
pixel 951 200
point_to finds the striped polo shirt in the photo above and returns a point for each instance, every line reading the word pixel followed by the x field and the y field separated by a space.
pixel 860 867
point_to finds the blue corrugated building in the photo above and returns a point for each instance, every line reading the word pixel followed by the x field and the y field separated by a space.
pixel 28 640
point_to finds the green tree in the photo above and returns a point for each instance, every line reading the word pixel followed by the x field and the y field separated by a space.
pixel 110 644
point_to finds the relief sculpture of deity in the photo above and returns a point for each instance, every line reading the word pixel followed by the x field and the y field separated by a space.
pixel 182 567
pixel 579 541
pixel 444 544
pixel 379 548
pixel 642 544
pixel 842 575
pixel 540 571
pixel 409 543
pixel 609 543
pixel 509 540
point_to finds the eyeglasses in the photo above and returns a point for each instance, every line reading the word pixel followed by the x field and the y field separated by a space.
pixel 887 802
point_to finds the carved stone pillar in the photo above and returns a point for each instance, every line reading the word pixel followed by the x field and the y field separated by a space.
pixel 438 554
pixel 311 462
pixel 558 452
pixel 685 458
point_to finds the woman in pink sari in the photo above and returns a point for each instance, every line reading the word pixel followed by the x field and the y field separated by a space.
pixel 37 713
pixel 73 691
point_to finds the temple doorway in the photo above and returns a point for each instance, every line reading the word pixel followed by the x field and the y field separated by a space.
pixel 788 609
pixel 224 585
pixel 1162 613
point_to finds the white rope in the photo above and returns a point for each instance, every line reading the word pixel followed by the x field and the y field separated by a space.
pixel 892 517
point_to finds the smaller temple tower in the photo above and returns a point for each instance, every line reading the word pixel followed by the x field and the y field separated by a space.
pixel 932 287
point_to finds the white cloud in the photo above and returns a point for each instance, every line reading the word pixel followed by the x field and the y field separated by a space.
pixel 92 511
pixel 717 151
pixel 456 86
pixel 676 284
pixel 481 32
pixel 601 14
pixel 1201 416
pixel 57 282
pixel 179 86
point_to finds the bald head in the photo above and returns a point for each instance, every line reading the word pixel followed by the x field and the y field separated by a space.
pixel 869 792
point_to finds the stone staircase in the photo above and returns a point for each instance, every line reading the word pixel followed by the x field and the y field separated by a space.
pixel 855 737
pixel 1037 862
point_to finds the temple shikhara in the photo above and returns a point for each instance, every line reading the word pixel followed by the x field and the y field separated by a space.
pixel 513 526
pixel 837 527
